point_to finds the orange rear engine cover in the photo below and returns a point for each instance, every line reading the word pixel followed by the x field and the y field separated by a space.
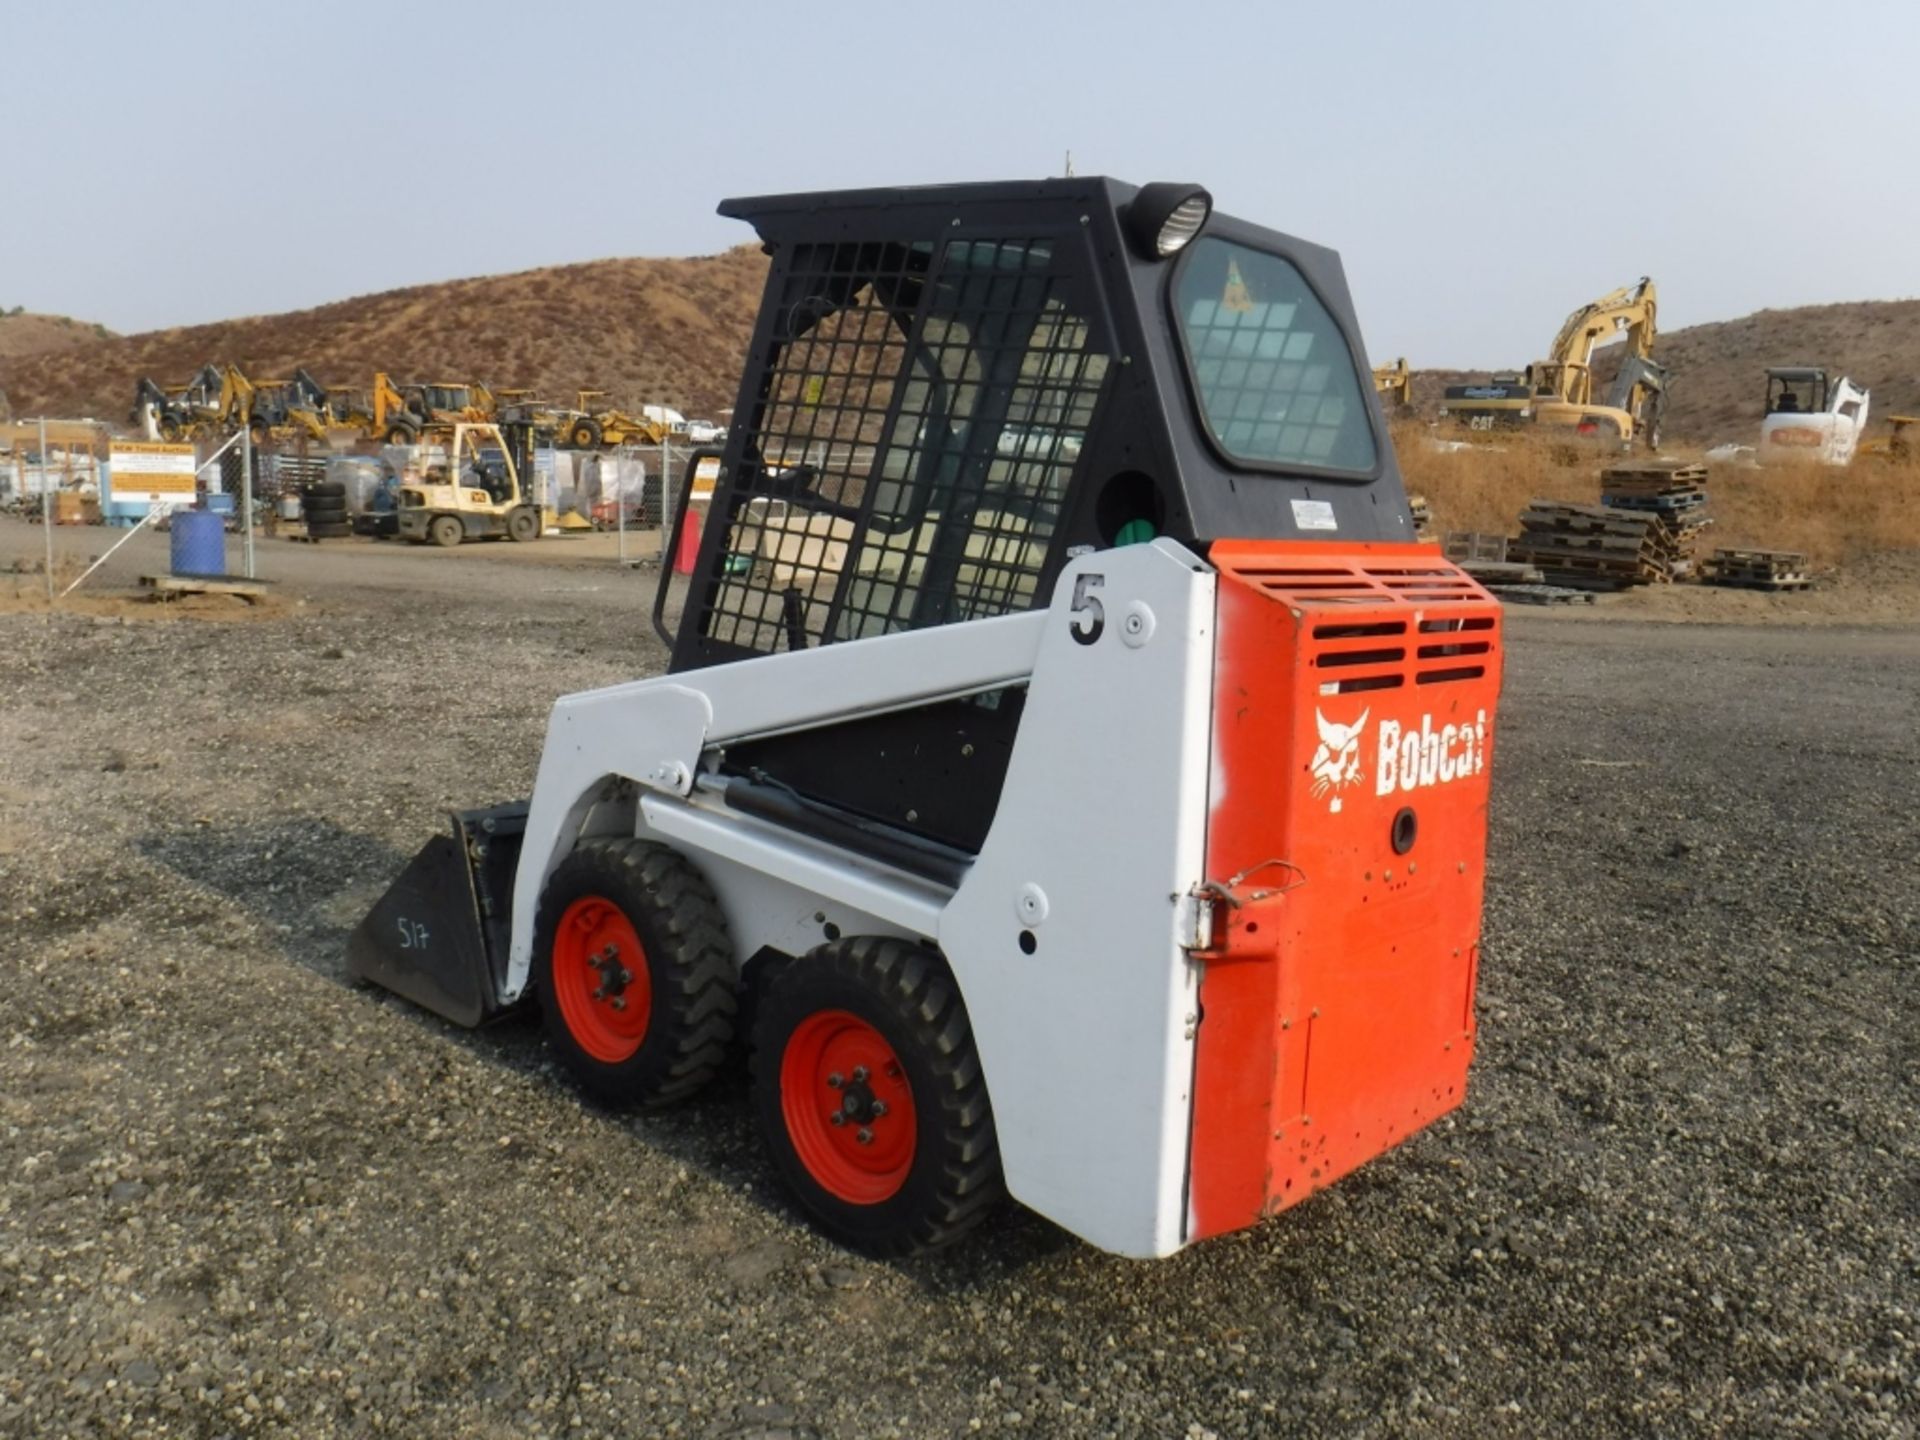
pixel 1353 712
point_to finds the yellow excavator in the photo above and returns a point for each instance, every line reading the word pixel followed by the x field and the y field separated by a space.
pixel 1394 384
pixel 1558 391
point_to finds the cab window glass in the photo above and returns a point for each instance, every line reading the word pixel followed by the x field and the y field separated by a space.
pixel 1276 382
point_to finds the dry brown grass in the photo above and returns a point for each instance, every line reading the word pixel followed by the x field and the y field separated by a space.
pixel 1486 487
pixel 1834 516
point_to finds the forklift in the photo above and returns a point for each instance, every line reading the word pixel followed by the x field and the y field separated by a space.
pixel 1070 778
pixel 473 487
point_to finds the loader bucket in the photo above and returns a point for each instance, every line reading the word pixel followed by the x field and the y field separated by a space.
pixel 438 936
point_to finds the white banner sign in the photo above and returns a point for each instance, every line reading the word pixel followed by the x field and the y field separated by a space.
pixel 151 473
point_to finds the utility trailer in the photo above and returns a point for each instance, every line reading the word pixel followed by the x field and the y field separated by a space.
pixel 1067 759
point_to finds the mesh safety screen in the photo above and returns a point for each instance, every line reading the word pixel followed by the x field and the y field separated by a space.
pixel 906 465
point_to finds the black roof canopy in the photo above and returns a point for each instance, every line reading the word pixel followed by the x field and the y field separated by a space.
pixel 1008 369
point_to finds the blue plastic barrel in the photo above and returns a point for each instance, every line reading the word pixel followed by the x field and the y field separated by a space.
pixel 199 543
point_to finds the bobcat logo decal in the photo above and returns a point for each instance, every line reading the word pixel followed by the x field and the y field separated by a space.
pixel 1336 761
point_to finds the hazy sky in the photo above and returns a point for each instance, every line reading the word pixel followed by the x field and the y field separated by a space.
pixel 1482 167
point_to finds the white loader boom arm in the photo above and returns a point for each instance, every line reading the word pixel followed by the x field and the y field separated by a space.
pixel 1099 837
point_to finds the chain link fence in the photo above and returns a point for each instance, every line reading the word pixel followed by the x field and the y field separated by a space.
pixel 628 493
pixel 78 524
pixel 70 534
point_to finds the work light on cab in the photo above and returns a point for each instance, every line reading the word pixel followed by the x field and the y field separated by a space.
pixel 1165 215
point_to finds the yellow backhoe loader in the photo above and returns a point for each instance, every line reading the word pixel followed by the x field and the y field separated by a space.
pixel 180 411
pixel 399 413
pixel 1558 391
pixel 270 409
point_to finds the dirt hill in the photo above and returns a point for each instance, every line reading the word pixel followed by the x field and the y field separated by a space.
pixel 663 331
pixel 673 331
pixel 1719 369
pixel 22 334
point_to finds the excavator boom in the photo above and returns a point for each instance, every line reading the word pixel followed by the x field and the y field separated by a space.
pixel 1559 389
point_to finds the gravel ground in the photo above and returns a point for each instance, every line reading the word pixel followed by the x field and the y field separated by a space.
pixel 238 1197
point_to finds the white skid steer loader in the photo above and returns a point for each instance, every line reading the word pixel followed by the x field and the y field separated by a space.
pixel 1065 748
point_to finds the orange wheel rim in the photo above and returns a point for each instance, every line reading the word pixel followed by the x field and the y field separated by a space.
pixel 600 979
pixel 848 1107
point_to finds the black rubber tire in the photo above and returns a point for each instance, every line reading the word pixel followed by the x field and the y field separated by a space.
pixel 324 489
pixel 907 993
pixel 329 530
pixel 446 531
pixel 523 525
pixel 402 435
pixel 584 434
pixel 690 969
pixel 324 509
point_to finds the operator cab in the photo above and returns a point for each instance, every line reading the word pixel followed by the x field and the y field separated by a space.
pixel 953 391
pixel 1796 390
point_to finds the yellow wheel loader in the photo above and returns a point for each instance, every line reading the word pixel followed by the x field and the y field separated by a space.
pixel 595 427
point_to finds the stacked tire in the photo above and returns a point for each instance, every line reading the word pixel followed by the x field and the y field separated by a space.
pixel 323 505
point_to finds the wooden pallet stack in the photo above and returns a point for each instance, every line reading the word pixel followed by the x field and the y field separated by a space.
pixel 1757 569
pixel 1591 547
pixel 1673 494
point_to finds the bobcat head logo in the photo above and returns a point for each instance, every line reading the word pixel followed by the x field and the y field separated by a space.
pixel 1336 761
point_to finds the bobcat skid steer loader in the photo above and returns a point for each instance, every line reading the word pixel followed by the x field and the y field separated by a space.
pixel 1067 759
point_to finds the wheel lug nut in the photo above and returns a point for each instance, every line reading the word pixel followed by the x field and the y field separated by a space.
pixel 835 1080
pixel 879 1108
pixel 619 1002
pixel 626 977
pixel 859 1074
pixel 865 1137
pixel 608 953
pixel 599 994
pixel 837 1118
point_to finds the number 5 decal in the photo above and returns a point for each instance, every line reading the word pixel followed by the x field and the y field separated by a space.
pixel 1087 608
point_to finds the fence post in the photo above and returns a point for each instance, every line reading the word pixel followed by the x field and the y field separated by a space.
pixel 620 510
pixel 46 505
pixel 666 497
pixel 246 499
